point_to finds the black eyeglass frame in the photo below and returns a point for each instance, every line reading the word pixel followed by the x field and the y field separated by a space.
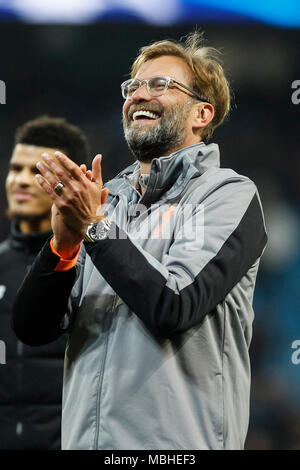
pixel 168 81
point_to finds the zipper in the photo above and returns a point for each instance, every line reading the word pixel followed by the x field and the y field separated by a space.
pixel 131 185
pixel 147 195
pixel 20 365
pixel 101 376
pixel 114 303
pixel 99 386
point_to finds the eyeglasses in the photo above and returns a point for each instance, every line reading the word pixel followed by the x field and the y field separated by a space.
pixel 156 86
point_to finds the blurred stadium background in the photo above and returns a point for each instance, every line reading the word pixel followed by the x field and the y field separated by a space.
pixel 68 58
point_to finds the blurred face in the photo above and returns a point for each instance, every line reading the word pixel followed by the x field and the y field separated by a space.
pixel 26 199
pixel 169 126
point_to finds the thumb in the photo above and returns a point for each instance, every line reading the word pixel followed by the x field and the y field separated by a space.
pixel 96 169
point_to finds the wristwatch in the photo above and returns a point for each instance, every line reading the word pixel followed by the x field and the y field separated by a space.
pixel 97 230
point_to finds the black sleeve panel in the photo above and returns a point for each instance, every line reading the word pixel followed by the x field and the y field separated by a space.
pixel 143 288
pixel 41 301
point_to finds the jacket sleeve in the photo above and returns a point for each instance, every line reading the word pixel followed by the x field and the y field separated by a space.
pixel 41 302
pixel 174 294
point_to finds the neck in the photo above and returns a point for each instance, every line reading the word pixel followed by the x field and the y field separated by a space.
pixel 145 168
pixel 35 225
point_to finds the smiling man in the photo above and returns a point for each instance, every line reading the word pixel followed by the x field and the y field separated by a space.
pixel 27 203
pixel 154 287
pixel 156 127
pixel 31 381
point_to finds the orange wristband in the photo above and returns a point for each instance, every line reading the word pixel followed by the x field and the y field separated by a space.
pixel 64 264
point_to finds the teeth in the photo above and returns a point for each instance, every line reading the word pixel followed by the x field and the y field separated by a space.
pixel 144 113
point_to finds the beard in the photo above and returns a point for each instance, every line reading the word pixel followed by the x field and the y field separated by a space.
pixel 164 137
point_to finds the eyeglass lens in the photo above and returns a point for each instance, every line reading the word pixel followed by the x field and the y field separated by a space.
pixel 155 86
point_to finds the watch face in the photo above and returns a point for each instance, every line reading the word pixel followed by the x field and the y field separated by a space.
pixel 98 230
pixel 93 231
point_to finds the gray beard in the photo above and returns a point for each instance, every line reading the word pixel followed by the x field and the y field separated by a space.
pixel 162 138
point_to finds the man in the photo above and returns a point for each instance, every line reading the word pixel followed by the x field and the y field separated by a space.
pixel 31 379
pixel 158 302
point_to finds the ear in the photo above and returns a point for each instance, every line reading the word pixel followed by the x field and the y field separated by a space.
pixel 203 115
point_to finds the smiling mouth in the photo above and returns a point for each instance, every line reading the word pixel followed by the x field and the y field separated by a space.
pixel 21 196
pixel 145 115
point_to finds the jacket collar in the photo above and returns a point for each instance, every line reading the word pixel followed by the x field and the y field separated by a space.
pixel 31 242
pixel 169 175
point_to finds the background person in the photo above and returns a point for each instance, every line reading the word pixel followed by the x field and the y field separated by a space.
pixel 31 380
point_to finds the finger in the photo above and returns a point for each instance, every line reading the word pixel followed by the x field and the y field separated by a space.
pixel 96 169
pixel 83 168
pixel 57 170
pixel 46 186
pixel 69 165
pixel 47 173
pixel 89 175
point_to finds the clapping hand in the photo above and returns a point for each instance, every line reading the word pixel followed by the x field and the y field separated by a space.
pixel 77 195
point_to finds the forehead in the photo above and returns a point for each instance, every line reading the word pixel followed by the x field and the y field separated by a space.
pixel 171 66
pixel 29 155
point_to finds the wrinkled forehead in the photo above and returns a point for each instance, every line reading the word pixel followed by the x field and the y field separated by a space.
pixel 169 66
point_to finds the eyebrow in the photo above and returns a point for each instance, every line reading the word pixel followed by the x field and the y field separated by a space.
pixel 16 165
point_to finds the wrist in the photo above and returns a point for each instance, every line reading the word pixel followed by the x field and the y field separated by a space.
pixel 66 251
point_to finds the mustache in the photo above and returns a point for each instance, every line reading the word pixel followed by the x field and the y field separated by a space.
pixel 154 107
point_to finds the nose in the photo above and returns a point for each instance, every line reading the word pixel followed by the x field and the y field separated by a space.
pixel 24 178
pixel 141 94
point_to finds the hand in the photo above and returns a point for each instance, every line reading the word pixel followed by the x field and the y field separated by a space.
pixel 82 198
pixel 66 241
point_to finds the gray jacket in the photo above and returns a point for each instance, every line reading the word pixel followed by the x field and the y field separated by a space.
pixel 158 355
pixel 160 314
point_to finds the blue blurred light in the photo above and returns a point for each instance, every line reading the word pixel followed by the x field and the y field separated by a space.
pixel 274 12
